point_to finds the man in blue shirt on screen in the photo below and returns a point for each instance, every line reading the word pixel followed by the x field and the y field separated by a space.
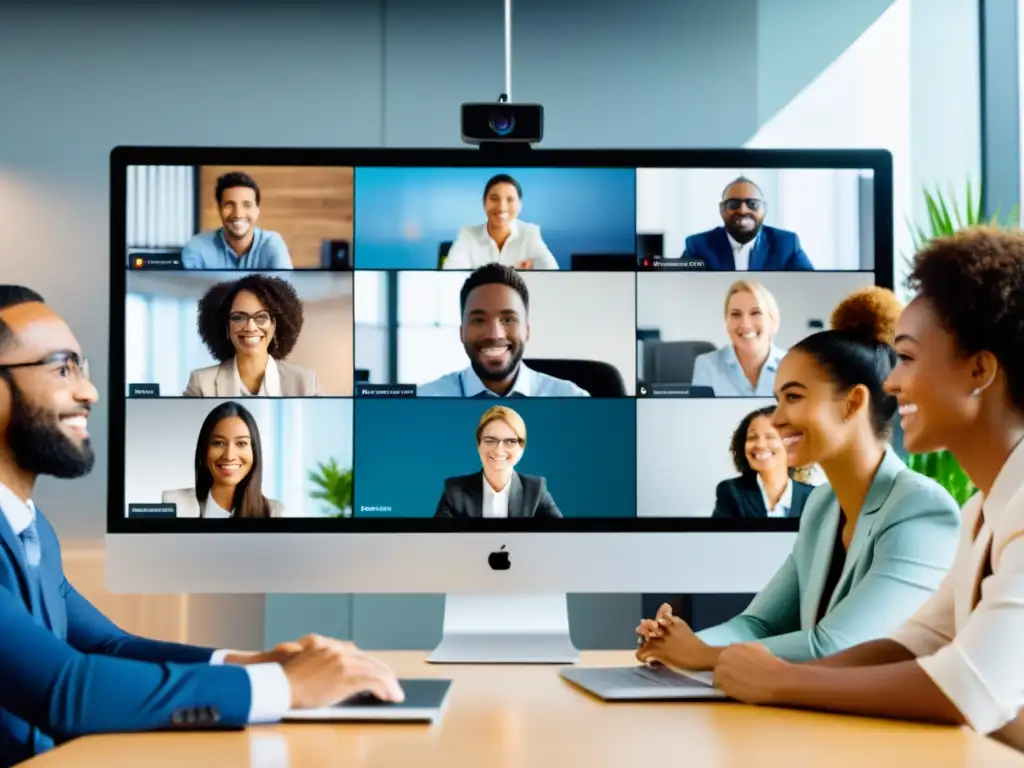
pixel 238 243
pixel 65 669
pixel 495 327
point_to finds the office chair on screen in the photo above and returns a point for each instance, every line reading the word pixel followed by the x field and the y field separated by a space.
pixel 442 253
pixel 671 362
pixel 600 379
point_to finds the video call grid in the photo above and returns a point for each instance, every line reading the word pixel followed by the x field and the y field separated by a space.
pixel 618 273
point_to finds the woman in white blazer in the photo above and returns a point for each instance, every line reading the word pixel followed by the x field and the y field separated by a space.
pixel 251 325
pixel 228 470
pixel 503 239
pixel 960 387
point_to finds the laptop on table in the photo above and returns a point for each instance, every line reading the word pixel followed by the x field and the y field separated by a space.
pixel 643 683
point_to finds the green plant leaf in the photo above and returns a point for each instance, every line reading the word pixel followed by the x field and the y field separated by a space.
pixel 334 486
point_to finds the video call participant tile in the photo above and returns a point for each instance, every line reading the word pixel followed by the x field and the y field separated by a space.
pixel 247 218
pixel 526 218
pixel 245 457
pixel 723 334
pixel 239 334
pixel 497 330
pixel 514 458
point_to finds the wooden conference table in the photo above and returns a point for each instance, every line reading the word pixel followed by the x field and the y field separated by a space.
pixel 518 716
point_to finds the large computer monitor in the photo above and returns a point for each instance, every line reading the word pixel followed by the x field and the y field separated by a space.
pixel 304 390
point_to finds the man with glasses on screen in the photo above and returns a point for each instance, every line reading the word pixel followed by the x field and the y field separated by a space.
pixel 744 242
pixel 66 670
pixel 495 305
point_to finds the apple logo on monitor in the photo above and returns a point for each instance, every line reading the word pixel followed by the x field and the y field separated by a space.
pixel 499 561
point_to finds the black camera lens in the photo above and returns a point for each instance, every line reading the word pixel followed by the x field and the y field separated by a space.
pixel 501 122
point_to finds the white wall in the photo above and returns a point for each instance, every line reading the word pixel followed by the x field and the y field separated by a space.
pixel 682 453
pixel 573 315
pixel 820 205
pixel 691 306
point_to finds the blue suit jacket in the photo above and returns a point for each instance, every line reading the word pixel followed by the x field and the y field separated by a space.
pixel 66 670
pixel 903 544
pixel 775 249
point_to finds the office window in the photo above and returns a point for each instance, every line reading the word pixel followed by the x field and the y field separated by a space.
pixel 371 293
pixel 428 310
pixel 861 100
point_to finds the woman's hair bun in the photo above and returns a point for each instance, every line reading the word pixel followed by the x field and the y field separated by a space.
pixel 870 313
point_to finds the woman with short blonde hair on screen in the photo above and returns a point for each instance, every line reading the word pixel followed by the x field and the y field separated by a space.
pixel 498 490
pixel 874 542
pixel 746 366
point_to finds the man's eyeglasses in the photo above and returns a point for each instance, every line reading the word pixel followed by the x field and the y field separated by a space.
pixel 241 319
pixel 734 203
pixel 69 365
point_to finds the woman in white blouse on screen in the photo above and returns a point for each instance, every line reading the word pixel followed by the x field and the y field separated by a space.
pixel 503 238
pixel 960 385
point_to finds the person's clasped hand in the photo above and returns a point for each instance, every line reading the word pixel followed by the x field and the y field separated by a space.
pixel 667 639
pixel 748 672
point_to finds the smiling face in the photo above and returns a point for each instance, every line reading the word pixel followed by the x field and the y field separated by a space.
pixel 742 211
pixel 748 323
pixel 239 211
pixel 494 331
pixel 229 453
pixel 811 415
pixel 932 381
pixel 499 447
pixel 764 449
pixel 250 324
pixel 45 405
pixel 501 204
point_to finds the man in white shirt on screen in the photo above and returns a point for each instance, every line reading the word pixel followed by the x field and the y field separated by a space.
pixel 495 328
pixel 67 670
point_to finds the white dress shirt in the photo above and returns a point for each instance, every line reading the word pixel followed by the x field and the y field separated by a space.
pixel 785 500
pixel 271 691
pixel 496 502
pixel 475 247
pixel 270 387
pixel 967 637
pixel 741 253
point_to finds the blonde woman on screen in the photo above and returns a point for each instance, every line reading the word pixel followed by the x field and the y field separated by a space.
pixel 504 238
pixel 228 470
pixel 746 366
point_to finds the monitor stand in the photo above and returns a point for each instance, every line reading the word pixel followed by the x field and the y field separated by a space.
pixel 505 629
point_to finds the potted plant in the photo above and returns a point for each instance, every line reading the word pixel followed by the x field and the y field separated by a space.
pixel 946 216
pixel 334 486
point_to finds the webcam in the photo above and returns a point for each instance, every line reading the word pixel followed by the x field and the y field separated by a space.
pixel 488 124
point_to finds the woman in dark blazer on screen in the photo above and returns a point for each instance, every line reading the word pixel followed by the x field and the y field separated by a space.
pixel 764 487
pixel 497 491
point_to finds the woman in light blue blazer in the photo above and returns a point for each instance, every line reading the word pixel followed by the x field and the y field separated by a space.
pixel 746 366
pixel 874 542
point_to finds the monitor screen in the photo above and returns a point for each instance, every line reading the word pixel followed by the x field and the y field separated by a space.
pixel 440 340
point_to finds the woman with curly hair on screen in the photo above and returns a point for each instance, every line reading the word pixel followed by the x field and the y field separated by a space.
pixel 874 542
pixel 960 387
pixel 251 325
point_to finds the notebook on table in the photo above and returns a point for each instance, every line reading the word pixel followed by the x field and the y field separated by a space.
pixel 425 701
pixel 643 683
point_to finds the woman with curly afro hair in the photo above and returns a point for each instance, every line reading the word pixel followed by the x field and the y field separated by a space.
pixel 874 541
pixel 251 325
pixel 960 387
